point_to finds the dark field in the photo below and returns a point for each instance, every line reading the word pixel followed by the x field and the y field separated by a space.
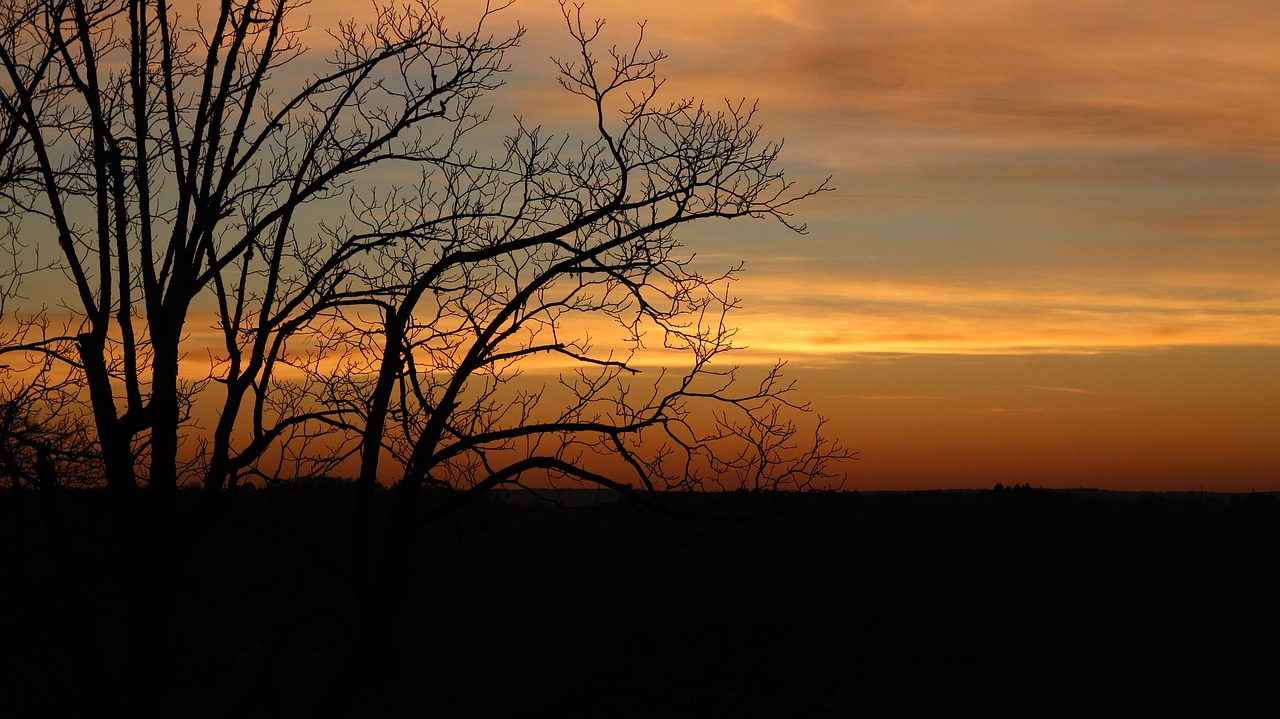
pixel 1011 603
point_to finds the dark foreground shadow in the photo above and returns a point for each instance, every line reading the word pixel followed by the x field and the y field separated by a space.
pixel 1011 603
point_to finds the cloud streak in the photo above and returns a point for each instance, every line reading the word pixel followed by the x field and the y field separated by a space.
pixel 824 317
pixel 1083 72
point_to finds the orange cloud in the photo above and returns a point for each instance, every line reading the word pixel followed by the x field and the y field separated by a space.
pixel 823 319
pixel 1093 73
pixel 1086 72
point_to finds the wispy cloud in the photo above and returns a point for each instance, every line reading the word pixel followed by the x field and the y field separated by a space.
pixel 825 316
pixel 899 397
pixel 1203 73
pixel 1064 390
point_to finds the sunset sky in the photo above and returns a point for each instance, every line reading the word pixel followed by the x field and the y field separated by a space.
pixel 1053 251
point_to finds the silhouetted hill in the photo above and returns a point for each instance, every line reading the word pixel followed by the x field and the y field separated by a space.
pixel 1018 602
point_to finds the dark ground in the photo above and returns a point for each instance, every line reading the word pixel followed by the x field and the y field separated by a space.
pixel 1011 603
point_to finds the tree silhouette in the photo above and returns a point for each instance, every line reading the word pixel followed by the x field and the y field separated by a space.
pixel 246 264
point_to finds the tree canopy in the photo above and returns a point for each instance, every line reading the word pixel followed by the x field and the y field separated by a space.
pixel 232 259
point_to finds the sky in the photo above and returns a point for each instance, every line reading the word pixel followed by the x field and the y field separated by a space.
pixel 1053 251
pixel 1052 254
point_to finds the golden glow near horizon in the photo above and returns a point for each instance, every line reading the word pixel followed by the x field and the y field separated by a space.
pixel 801 317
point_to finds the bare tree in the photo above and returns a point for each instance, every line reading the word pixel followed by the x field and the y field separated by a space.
pixel 202 187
